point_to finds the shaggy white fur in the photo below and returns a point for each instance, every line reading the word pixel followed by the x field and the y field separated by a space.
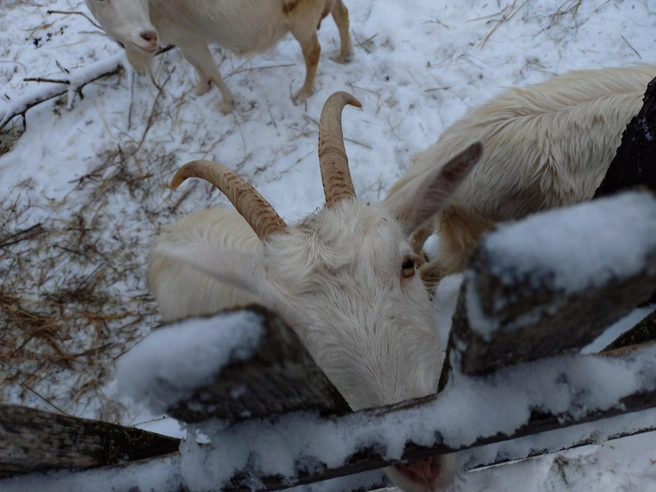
pixel 546 145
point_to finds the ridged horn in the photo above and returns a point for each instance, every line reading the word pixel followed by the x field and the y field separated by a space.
pixel 259 214
pixel 335 174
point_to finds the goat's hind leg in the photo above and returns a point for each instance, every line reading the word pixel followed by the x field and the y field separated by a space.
pixel 341 18
pixel 200 56
pixel 311 52
pixel 303 22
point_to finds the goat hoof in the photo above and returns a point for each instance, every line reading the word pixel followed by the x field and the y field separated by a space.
pixel 300 97
pixel 202 87
pixel 227 106
pixel 342 58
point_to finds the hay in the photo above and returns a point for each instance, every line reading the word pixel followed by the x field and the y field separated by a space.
pixel 73 296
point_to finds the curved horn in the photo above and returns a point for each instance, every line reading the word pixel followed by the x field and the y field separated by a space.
pixel 259 214
pixel 335 174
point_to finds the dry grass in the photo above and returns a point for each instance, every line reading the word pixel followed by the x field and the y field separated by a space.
pixel 10 134
pixel 73 296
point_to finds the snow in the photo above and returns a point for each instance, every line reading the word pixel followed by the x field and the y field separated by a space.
pixel 568 386
pixel 569 250
pixel 279 445
pixel 577 248
pixel 418 66
pixel 172 362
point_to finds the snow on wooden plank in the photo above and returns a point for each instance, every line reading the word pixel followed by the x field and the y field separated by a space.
pixel 301 448
pixel 551 283
pixel 234 366
pixel 558 440
pixel 305 446
pixel 33 440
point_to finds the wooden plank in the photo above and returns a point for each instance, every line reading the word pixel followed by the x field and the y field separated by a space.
pixel 33 440
pixel 279 378
pixel 373 455
pixel 531 315
pixel 644 331
pixel 554 441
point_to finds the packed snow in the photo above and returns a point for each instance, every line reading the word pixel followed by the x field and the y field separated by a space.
pixel 576 248
pixel 568 250
pixel 418 66
pixel 172 362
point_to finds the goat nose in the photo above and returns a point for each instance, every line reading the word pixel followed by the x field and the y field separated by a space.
pixel 150 36
pixel 425 475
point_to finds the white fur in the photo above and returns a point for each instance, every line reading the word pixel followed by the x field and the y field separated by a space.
pixel 242 26
pixel 181 291
pixel 341 280
pixel 546 145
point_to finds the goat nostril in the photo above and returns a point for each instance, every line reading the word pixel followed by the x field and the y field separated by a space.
pixel 150 36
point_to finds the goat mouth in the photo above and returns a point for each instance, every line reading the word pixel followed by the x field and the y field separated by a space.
pixel 423 482
pixel 148 48
pixel 426 475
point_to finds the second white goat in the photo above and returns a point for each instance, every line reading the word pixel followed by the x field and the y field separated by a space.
pixel 546 145
pixel 242 26
pixel 345 278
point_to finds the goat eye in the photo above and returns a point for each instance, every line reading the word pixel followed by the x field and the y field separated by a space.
pixel 408 268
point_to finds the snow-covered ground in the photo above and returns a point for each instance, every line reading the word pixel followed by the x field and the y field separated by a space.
pixel 83 191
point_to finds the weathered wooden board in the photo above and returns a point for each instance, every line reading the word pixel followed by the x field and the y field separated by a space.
pixel 33 440
pixel 279 378
pixel 644 331
pixel 371 457
pixel 534 317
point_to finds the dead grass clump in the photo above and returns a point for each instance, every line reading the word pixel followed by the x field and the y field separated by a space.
pixel 10 135
pixel 73 296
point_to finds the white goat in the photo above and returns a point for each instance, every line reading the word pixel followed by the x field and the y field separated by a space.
pixel 345 278
pixel 242 26
pixel 546 145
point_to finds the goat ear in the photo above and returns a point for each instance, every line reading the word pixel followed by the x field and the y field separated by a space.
pixel 428 193
pixel 233 267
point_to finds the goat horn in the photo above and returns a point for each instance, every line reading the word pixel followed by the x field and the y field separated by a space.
pixel 335 174
pixel 259 214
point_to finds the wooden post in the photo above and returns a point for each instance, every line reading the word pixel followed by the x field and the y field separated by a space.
pixel 635 161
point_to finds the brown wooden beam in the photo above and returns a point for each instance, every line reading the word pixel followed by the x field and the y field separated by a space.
pixel 535 319
pixel 644 331
pixel 33 440
pixel 280 377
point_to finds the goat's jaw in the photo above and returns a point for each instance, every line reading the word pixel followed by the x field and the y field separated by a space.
pixel 427 475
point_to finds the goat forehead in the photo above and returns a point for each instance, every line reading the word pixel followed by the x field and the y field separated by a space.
pixel 355 234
